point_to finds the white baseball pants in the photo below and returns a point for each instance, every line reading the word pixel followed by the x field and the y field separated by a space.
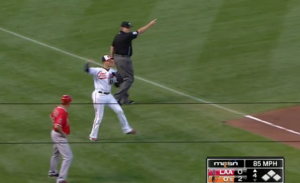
pixel 100 101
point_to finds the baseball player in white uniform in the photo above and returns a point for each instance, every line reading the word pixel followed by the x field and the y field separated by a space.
pixel 104 77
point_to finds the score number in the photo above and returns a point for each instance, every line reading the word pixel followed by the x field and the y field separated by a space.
pixel 230 176
pixel 240 172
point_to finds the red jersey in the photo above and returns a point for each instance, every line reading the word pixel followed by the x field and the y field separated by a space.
pixel 60 116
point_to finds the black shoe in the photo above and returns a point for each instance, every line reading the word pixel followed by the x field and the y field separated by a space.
pixel 53 174
pixel 129 102
pixel 119 103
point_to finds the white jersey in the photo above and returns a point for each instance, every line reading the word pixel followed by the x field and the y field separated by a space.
pixel 103 79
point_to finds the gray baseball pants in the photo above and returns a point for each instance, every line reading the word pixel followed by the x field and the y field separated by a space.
pixel 125 68
pixel 62 147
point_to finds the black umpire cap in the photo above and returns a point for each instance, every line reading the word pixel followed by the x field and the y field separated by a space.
pixel 126 24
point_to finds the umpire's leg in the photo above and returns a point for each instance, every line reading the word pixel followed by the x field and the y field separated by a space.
pixel 125 68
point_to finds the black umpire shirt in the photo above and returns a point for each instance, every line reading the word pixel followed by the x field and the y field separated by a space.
pixel 123 43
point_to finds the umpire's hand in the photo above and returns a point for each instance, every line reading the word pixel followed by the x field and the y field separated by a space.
pixel 153 22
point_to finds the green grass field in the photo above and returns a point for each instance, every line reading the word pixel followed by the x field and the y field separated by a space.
pixel 216 50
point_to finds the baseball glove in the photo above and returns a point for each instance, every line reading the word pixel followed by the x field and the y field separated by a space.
pixel 119 77
pixel 117 85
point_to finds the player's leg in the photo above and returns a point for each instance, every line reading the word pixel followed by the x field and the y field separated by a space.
pixel 67 156
pixel 99 104
pixel 54 163
pixel 55 158
pixel 113 104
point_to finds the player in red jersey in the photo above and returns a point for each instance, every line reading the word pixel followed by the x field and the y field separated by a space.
pixel 61 129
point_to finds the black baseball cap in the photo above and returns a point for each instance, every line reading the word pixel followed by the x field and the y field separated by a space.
pixel 126 24
pixel 105 58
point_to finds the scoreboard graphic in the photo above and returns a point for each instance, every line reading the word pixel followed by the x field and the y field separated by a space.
pixel 245 169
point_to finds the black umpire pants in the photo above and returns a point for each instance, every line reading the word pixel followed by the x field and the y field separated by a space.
pixel 125 68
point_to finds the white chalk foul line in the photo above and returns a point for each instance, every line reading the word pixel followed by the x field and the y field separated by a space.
pixel 271 124
pixel 154 83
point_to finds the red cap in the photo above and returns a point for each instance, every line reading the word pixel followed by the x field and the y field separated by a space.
pixel 65 99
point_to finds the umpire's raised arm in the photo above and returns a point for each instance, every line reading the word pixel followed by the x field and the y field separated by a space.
pixel 133 35
pixel 143 29
pixel 121 50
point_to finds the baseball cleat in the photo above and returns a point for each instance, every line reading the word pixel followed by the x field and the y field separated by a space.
pixel 53 174
pixel 129 102
pixel 62 181
pixel 93 139
pixel 131 132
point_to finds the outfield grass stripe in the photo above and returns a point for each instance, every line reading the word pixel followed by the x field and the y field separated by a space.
pixel 189 96
pixel 237 56
pixel 153 83
pixel 139 78
pixel 42 44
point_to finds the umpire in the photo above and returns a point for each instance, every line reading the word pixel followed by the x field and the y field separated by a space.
pixel 121 51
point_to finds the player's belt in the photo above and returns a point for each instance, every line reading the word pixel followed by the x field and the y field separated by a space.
pixel 120 55
pixel 106 93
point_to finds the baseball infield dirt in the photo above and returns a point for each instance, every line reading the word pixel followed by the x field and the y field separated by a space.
pixel 288 118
